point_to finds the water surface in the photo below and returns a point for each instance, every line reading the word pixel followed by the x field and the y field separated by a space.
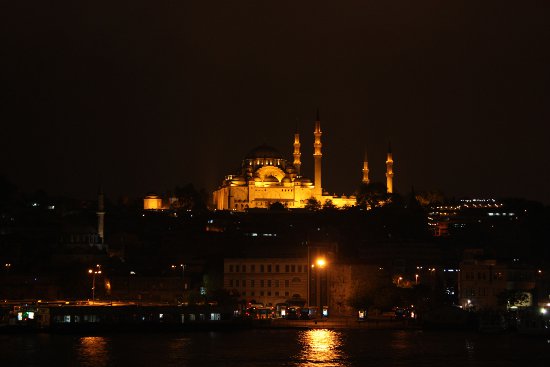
pixel 266 348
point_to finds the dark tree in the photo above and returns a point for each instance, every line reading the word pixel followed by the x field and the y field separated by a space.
pixel 328 205
pixel 277 206
pixel 371 195
pixel 313 204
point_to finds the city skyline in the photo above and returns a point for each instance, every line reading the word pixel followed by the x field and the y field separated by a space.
pixel 148 97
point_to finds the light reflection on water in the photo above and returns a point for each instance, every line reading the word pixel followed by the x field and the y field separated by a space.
pixel 401 340
pixel 276 348
pixel 93 351
pixel 320 347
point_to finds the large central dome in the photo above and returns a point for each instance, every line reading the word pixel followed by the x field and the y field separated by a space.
pixel 264 151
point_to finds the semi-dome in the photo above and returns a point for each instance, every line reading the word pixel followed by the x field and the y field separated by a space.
pixel 264 151
pixel 271 179
pixel 238 179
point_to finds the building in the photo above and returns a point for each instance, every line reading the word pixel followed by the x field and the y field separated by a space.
pixel 266 177
pixel 268 281
pixel 485 283
pixel 470 214
pixel 155 202
pixel 346 280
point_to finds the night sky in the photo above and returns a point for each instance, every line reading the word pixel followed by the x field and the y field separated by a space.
pixel 145 95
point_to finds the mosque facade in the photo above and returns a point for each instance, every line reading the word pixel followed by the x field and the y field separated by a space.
pixel 266 178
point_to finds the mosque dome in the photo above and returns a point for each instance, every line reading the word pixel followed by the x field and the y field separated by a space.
pixel 264 151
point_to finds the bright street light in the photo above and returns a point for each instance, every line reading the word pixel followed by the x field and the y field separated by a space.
pixel 94 272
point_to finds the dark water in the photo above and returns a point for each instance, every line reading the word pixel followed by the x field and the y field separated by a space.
pixel 266 348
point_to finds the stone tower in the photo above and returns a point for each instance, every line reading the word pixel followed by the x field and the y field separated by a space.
pixel 101 215
pixel 389 171
pixel 317 155
pixel 365 169
pixel 297 163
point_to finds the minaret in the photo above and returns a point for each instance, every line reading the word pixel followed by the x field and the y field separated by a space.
pixel 318 190
pixel 297 163
pixel 101 215
pixel 366 169
pixel 389 171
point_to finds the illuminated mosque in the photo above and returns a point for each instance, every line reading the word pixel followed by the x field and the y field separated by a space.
pixel 266 178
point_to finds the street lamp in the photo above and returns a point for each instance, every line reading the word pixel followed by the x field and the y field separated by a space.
pixel 182 275
pixel 416 278
pixel 319 288
pixel 94 272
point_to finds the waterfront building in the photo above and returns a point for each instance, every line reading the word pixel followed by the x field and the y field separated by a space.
pixel 346 281
pixel 485 283
pixel 268 281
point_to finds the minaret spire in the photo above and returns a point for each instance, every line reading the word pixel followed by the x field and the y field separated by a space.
pixel 101 215
pixel 317 155
pixel 365 169
pixel 297 163
pixel 389 171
